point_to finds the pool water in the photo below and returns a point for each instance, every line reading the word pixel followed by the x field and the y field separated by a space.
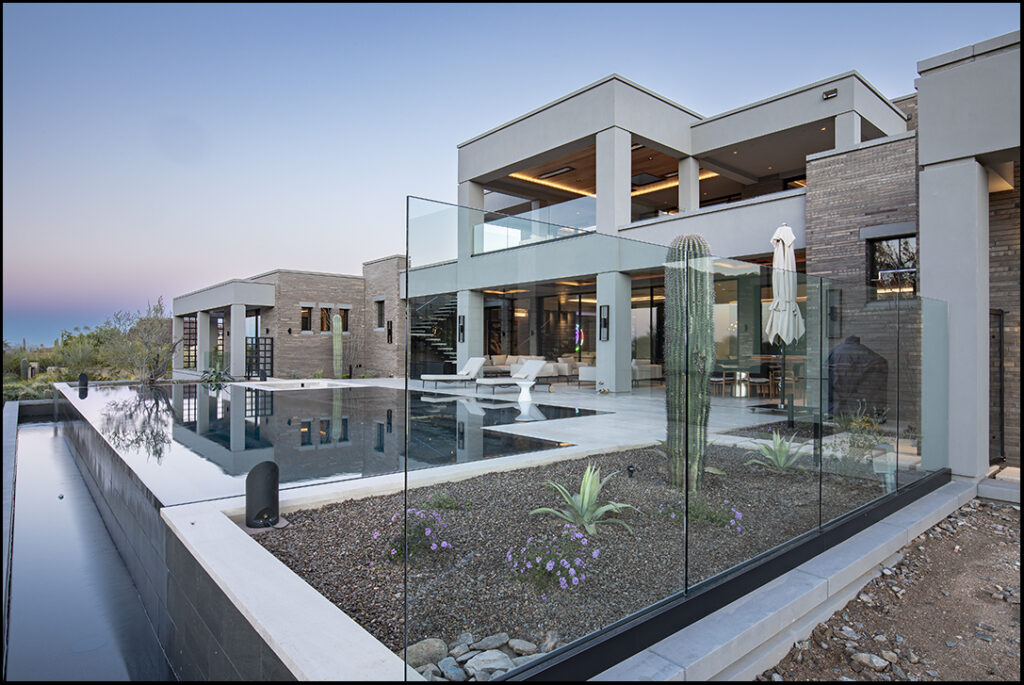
pixel 193 442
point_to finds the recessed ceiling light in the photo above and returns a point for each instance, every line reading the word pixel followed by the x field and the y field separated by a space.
pixel 557 172
pixel 671 174
pixel 769 168
pixel 735 152
pixel 824 128
pixel 636 146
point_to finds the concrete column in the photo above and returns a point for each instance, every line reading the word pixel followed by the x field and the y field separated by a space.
pixel 689 184
pixel 953 253
pixel 177 333
pixel 469 421
pixel 847 130
pixel 614 355
pixel 614 169
pixel 471 306
pixel 237 418
pixel 237 346
pixel 748 316
pixel 202 410
pixel 471 195
pixel 202 341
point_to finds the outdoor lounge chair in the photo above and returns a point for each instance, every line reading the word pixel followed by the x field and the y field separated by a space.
pixel 470 371
pixel 528 373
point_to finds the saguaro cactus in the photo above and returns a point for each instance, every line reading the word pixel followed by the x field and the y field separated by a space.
pixel 689 356
pixel 339 345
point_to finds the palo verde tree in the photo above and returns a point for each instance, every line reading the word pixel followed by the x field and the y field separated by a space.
pixel 139 344
pixel 689 357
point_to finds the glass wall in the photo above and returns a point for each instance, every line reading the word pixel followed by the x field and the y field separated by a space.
pixel 781 402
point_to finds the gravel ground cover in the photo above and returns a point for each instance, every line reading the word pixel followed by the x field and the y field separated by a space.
pixel 948 610
pixel 481 527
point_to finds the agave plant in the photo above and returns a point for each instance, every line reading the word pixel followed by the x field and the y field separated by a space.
pixel 583 508
pixel 780 456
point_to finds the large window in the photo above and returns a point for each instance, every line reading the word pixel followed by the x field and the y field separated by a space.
pixel 892 266
pixel 380 313
pixel 189 341
pixel 307 319
pixel 343 313
pixel 325 319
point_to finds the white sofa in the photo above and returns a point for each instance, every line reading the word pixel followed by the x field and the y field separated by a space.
pixel 502 363
pixel 643 370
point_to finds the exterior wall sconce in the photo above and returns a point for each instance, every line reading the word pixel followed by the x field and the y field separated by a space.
pixel 389 420
pixel 289 331
pixel 604 322
pixel 829 94
pixel 462 328
pixel 390 335
pixel 462 435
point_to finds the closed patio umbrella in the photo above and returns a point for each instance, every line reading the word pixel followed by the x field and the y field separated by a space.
pixel 785 323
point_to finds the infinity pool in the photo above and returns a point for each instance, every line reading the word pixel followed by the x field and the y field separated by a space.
pixel 194 442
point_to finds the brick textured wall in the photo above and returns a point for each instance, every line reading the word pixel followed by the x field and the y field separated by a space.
pixel 1004 293
pixel 908 105
pixel 379 357
pixel 304 354
pixel 846 192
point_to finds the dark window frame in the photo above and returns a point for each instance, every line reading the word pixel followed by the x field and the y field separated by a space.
pixel 325 319
pixel 306 319
pixel 379 304
pixel 897 262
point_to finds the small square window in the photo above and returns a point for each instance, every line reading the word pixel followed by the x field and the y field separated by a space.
pixel 325 319
pixel 305 433
pixel 893 267
pixel 307 319
pixel 380 313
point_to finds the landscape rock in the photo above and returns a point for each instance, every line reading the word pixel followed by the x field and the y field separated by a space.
pixel 467 656
pixel 488 662
pixel 463 639
pixel 428 670
pixel 525 659
pixel 890 656
pixel 424 652
pixel 491 642
pixel 522 647
pixel 847 631
pixel 458 650
pixel 550 641
pixel 871 661
pixel 450 669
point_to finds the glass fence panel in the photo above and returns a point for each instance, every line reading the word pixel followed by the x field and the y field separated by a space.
pixel 933 400
pixel 758 404
pixel 861 401
pixel 756 485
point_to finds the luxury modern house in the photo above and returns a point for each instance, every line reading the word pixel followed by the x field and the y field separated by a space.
pixel 564 213
pixel 901 384
pixel 279 324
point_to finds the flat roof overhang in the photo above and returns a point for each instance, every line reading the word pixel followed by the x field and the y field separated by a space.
pixel 570 123
pixel 225 294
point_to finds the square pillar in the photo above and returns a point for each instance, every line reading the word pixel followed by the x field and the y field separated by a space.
pixel 471 196
pixel 614 355
pixel 177 337
pixel 470 304
pixel 237 338
pixel 614 170
pixel 954 202
pixel 689 184
pixel 202 341
pixel 236 417
pixel 847 131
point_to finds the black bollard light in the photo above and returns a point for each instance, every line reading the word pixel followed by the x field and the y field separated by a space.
pixel 263 374
pixel 261 501
pixel 83 386
pixel 631 470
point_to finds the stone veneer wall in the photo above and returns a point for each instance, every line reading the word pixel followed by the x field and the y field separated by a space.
pixel 1004 293
pixel 382 277
pixel 846 192
pixel 301 353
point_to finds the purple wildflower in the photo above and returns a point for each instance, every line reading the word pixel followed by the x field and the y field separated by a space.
pixel 444 543
pixel 529 565
pixel 583 541
pixel 376 534
pixel 433 546
pixel 550 566
pixel 595 553
pixel 575 581
pixel 562 583
pixel 427 531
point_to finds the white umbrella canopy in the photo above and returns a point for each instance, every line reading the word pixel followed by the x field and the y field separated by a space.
pixel 785 323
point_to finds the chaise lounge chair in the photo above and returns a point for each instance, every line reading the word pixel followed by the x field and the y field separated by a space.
pixel 524 377
pixel 470 371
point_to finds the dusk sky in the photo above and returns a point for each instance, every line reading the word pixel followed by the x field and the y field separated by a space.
pixel 152 150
